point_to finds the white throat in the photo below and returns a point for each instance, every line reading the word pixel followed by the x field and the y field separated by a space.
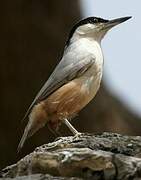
pixel 89 31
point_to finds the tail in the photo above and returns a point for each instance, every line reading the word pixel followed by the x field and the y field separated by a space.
pixel 26 134
pixel 37 119
pixel 30 129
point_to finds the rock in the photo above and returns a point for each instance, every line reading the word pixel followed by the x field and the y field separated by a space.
pixel 41 177
pixel 107 156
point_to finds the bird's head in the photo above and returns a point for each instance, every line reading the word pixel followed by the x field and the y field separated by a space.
pixel 94 27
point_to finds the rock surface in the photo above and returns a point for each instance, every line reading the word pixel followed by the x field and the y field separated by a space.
pixel 107 156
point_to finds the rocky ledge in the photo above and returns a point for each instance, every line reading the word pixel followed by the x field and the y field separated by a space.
pixel 105 156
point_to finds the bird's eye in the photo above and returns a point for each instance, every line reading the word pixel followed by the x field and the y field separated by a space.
pixel 96 20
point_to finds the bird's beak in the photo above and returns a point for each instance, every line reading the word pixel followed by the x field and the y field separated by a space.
pixel 111 23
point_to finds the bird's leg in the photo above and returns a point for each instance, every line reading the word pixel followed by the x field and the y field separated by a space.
pixel 72 129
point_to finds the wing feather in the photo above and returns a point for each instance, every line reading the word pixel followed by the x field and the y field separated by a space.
pixel 61 75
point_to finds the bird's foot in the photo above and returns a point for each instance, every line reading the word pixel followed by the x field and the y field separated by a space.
pixel 77 135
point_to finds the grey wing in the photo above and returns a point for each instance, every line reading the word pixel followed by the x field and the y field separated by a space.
pixel 64 72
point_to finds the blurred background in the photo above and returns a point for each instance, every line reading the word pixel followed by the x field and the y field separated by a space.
pixel 32 38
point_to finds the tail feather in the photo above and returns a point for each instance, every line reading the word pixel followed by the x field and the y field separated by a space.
pixel 25 136
pixel 37 119
pixel 30 129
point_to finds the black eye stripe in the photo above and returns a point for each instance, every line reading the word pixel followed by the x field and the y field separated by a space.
pixel 91 20
pixel 95 20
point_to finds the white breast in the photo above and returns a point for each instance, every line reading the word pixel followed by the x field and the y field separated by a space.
pixel 92 78
pixel 80 49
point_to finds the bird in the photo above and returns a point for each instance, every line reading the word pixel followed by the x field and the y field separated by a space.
pixel 75 80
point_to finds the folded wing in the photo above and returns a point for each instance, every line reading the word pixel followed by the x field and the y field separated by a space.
pixel 63 73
